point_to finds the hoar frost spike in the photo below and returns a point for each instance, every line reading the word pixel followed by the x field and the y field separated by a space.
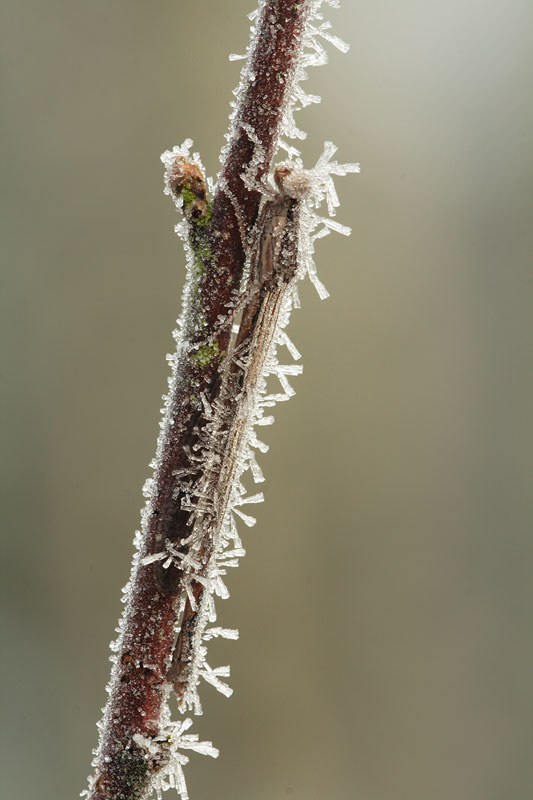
pixel 249 239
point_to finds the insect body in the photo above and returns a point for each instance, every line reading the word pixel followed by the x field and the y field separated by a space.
pixel 273 269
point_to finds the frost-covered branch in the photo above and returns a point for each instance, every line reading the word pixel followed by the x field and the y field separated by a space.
pixel 246 248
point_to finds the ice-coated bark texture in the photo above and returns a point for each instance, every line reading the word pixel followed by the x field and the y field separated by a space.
pixel 220 393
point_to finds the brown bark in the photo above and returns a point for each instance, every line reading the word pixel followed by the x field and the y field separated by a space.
pixel 139 690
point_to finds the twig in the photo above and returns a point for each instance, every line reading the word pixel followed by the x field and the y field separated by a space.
pixel 210 409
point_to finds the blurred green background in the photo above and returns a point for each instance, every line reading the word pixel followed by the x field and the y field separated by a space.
pixel 385 601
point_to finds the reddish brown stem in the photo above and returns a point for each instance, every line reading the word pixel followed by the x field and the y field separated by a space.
pixel 140 686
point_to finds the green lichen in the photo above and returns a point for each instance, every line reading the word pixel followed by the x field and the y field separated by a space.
pixel 134 768
pixel 205 354
pixel 198 211
pixel 188 196
pixel 198 233
pixel 202 255
pixel 204 221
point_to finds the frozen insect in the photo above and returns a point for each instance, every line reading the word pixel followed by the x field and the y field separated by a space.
pixel 273 270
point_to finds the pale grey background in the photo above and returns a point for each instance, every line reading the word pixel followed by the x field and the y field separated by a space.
pixel 384 605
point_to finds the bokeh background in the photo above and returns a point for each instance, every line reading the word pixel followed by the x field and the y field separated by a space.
pixel 385 602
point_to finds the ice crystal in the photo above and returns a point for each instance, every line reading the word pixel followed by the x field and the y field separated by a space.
pixel 176 740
